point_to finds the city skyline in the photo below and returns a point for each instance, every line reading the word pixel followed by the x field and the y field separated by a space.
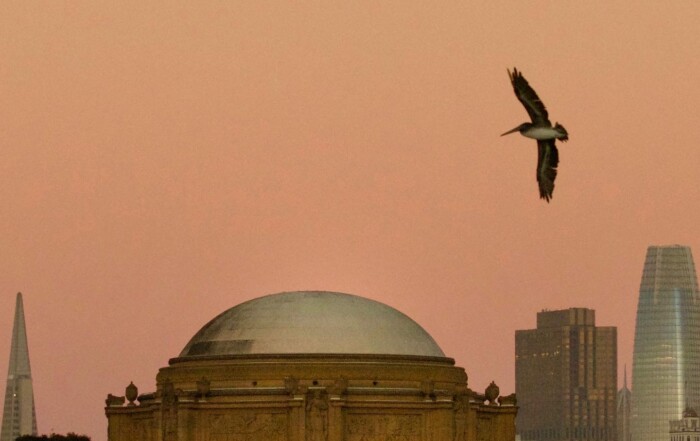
pixel 164 161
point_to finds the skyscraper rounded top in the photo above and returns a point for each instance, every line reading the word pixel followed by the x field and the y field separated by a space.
pixel 311 322
pixel 669 270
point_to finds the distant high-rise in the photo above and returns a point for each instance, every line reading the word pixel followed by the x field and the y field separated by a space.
pixel 566 378
pixel 665 370
pixel 19 416
pixel 624 410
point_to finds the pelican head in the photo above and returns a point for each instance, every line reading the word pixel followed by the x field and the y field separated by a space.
pixel 521 128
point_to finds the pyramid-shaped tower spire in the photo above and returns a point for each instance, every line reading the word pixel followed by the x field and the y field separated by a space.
pixel 19 415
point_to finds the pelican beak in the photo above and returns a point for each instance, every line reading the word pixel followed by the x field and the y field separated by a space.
pixel 511 131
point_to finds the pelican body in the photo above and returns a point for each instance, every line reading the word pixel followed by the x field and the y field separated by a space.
pixel 540 129
pixel 530 130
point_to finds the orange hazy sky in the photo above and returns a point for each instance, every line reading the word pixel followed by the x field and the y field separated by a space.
pixel 163 161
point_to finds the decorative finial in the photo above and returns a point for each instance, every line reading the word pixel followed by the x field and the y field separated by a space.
pixel 492 392
pixel 131 393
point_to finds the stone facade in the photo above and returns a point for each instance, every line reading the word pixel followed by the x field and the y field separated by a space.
pixel 318 397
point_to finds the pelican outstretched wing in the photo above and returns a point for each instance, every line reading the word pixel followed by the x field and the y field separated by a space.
pixel 528 97
pixel 547 162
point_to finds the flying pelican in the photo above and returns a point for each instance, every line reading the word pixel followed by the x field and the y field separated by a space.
pixel 540 129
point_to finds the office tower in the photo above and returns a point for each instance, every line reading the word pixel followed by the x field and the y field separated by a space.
pixel 566 378
pixel 665 374
pixel 19 416
pixel 624 402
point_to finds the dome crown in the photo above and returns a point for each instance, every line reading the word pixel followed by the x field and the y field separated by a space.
pixel 311 322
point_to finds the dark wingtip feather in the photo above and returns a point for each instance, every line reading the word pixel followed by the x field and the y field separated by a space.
pixel 514 75
pixel 546 194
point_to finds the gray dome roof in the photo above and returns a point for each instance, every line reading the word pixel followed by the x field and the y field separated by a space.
pixel 311 322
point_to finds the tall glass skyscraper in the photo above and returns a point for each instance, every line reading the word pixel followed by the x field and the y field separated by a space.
pixel 666 365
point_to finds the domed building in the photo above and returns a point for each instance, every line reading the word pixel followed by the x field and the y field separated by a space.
pixel 687 428
pixel 311 366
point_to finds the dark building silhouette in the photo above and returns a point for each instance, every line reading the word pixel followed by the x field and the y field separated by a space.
pixel 19 416
pixel 566 378
pixel 665 373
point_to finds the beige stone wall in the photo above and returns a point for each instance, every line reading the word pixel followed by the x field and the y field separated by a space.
pixel 312 399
